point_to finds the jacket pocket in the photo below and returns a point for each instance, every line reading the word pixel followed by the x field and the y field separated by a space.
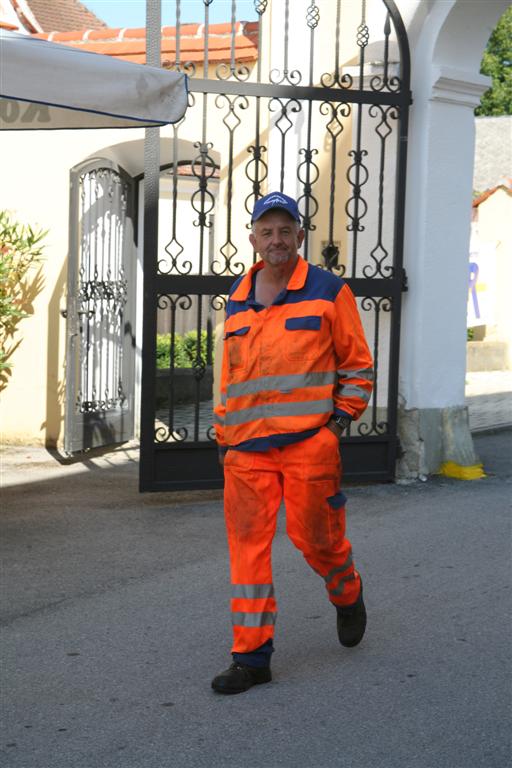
pixel 307 323
pixel 236 345
pixel 302 337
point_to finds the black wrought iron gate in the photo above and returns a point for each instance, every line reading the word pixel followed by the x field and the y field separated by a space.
pixel 314 104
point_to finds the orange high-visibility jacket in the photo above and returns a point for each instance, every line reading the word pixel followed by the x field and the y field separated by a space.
pixel 288 367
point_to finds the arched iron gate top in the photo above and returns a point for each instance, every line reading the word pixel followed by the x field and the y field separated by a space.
pixel 230 68
pixel 334 138
pixel 403 44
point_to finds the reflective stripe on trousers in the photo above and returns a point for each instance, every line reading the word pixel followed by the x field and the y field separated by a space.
pixel 307 476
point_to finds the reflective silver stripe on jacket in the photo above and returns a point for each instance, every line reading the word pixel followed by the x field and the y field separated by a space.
pixel 264 619
pixel 351 390
pixel 252 591
pixel 281 383
pixel 304 408
pixel 364 373
pixel 218 419
pixel 223 398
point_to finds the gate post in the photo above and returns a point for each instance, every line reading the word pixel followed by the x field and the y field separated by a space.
pixel 150 245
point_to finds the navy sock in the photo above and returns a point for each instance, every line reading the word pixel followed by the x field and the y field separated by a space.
pixel 260 657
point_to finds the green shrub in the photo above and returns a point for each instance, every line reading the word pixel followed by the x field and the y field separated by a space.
pixel 20 252
pixel 185 349
pixel 190 346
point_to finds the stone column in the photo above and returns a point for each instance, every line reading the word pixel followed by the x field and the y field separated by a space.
pixel 433 420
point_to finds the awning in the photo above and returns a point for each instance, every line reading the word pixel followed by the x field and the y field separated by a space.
pixel 46 86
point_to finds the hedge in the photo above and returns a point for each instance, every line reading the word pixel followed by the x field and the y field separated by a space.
pixel 185 349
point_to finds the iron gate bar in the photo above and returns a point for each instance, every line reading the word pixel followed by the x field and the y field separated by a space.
pixel 300 92
pixel 398 238
pixel 365 452
pixel 220 285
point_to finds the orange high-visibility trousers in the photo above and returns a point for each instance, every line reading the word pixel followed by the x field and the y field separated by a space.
pixel 306 475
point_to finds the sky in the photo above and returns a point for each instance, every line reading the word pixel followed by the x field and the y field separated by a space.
pixel 132 13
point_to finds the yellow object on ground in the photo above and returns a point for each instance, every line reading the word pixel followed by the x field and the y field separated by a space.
pixel 451 469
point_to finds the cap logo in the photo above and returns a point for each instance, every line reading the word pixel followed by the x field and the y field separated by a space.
pixel 275 199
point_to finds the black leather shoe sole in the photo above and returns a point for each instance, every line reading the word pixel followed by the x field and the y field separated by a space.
pixel 238 678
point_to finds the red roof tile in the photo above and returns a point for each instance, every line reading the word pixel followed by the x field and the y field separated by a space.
pixel 130 44
pixel 62 15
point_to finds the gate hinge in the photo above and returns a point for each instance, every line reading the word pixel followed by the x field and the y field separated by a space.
pixel 405 283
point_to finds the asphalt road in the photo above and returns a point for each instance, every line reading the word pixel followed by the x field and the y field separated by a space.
pixel 115 617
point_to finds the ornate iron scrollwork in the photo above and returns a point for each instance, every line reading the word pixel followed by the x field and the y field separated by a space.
pixel 241 72
pixel 308 174
pixel 312 16
pixel 260 6
pixel 203 168
pixel 256 171
pixel 384 81
pixel 357 175
pixel 292 77
pixel 336 78
pixel 376 305
pixel 101 290
pixel 379 253
pixel 283 124
pixel 335 112
pixel 184 385
pixel 218 303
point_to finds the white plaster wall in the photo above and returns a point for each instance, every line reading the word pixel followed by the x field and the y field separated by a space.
pixel 447 40
pixel 494 216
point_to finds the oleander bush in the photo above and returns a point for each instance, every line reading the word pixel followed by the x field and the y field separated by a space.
pixel 21 281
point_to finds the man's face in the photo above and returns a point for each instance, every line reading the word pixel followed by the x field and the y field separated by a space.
pixel 276 237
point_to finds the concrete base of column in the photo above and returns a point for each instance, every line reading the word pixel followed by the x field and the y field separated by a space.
pixel 436 441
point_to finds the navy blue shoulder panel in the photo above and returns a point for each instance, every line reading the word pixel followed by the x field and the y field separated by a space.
pixel 319 284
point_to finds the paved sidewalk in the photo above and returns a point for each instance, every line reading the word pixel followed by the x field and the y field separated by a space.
pixel 489 399
pixel 114 617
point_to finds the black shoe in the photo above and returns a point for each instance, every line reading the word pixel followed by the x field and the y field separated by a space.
pixel 239 678
pixel 351 622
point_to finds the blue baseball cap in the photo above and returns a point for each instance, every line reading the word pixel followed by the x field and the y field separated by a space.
pixel 275 200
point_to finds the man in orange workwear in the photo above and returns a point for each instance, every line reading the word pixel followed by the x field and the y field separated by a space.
pixel 296 370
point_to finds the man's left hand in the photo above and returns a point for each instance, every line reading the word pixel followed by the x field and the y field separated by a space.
pixel 336 428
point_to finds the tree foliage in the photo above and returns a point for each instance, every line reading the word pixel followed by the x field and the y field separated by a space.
pixel 497 63
pixel 20 253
